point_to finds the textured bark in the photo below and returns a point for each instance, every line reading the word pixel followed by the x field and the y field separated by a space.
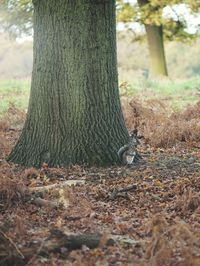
pixel 74 114
pixel 158 65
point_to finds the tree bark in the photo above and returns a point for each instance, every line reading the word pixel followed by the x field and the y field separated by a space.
pixel 158 65
pixel 74 114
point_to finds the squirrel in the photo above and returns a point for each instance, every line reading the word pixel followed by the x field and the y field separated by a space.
pixel 128 153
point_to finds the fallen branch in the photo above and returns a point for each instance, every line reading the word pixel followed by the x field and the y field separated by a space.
pixel 54 243
pixel 59 239
pixel 57 186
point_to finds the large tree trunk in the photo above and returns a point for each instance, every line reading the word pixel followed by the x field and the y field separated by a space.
pixel 74 114
pixel 158 65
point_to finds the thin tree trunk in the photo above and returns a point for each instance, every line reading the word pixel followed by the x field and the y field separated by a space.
pixel 74 114
pixel 158 65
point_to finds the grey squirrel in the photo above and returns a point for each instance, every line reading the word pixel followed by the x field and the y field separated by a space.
pixel 128 153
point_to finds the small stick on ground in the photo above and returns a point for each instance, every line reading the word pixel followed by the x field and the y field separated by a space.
pixel 122 192
pixel 13 244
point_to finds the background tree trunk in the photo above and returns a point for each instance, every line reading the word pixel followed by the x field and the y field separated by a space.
pixel 158 65
pixel 74 114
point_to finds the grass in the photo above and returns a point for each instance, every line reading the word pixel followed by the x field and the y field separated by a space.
pixel 14 92
pixel 176 95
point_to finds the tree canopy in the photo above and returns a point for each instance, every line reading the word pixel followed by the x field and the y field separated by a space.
pixel 174 26
pixel 16 16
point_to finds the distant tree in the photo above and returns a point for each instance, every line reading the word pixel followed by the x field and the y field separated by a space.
pixel 154 31
pixel 74 114
pixel 158 28
pixel 16 16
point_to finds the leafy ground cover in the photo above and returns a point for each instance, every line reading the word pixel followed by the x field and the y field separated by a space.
pixel 146 214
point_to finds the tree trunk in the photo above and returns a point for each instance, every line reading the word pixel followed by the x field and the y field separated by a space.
pixel 158 65
pixel 74 114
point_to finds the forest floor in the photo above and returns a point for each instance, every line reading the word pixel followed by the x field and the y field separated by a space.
pixel 146 214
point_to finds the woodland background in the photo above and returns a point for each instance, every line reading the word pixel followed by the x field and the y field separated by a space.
pixel 151 211
pixel 182 58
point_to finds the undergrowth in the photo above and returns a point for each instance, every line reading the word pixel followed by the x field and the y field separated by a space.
pixel 11 191
pixel 160 216
pixel 158 127
pixel 10 124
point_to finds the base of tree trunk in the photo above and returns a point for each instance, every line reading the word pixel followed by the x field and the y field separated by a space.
pixel 74 114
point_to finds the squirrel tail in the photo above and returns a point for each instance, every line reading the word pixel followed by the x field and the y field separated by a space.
pixel 122 153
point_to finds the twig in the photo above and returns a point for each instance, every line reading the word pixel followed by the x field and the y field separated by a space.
pixel 12 243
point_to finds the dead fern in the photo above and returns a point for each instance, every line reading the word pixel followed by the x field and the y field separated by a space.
pixel 11 192
pixel 159 128
pixel 171 245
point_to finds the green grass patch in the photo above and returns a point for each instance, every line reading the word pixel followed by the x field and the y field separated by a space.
pixel 14 92
pixel 175 94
